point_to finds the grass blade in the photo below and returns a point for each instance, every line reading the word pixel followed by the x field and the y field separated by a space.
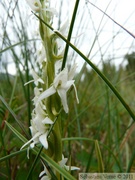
pixel 99 157
pixel 70 33
pixel 13 114
pixel 20 136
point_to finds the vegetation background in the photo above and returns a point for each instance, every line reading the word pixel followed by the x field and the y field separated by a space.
pixel 103 114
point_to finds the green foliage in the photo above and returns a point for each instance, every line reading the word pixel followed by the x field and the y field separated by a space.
pixel 131 61
pixel 106 98
pixel 99 116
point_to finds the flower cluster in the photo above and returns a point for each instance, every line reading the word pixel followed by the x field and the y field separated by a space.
pixel 40 121
pixel 50 92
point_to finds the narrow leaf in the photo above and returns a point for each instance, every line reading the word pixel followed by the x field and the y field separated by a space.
pixel 99 158
pixel 13 114
pixel 22 138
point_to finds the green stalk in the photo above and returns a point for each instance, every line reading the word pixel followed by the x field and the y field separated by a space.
pixel 12 155
pixel 131 162
pixel 16 44
pixel 70 33
pixel 51 103
pixel 34 163
pixel 99 158
pixel 28 86
pixel 3 146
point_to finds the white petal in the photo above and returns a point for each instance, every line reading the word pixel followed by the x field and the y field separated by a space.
pixel 42 173
pixel 71 73
pixel 33 129
pixel 41 80
pixel 52 10
pixel 46 178
pixel 32 145
pixel 63 96
pixel 47 121
pixel 28 82
pixel 64 27
pixel 39 110
pixel 47 93
pixel 37 91
pixel 68 85
pixel 39 126
pixel 43 140
pixel 71 168
pixel 34 4
pixel 63 162
pixel 28 154
pixel 57 67
pixel 36 78
pixel 41 55
pixel 62 78
pixel 76 95
pixel 35 136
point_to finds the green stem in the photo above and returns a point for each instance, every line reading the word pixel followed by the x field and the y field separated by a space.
pixel 34 163
pixel 70 33
pixel 58 142
pixel 51 102
pixel 28 86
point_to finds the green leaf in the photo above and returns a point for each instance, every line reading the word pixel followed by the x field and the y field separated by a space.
pixel 13 114
pixel 21 137
pixel 12 155
pixel 70 33
pixel 99 157
pixel 17 44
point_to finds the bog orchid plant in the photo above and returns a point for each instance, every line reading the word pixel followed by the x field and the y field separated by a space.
pixel 50 91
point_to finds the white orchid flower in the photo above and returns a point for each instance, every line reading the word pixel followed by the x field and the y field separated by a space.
pixel 63 162
pixel 61 84
pixel 39 131
pixel 45 175
pixel 35 5
pixel 36 78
